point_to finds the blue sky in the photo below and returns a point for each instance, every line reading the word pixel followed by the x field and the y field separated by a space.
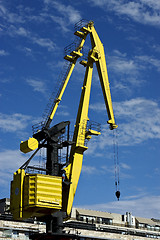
pixel 33 35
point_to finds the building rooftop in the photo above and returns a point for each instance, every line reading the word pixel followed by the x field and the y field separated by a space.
pixel 94 213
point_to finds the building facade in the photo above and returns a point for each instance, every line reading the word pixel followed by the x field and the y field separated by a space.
pixel 10 229
pixel 83 225
pixel 92 225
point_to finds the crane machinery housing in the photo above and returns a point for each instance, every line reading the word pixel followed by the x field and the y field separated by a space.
pixel 50 196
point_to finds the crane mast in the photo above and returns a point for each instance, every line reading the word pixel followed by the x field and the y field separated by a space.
pixel 43 195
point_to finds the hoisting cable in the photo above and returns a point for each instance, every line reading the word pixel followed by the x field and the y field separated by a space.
pixel 116 162
pixel 25 165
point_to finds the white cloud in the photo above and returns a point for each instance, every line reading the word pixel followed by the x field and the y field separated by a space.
pixel 2 10
pixel 3 53
pixel 12 21
pixel 89 169
pixel 147 206
pixel 122 65
pixel 56 65
pixel 63 110
pixel 138 121
pixel 63 113
pixel 42 42
pixel 28 51
pixel 21 15
pixel 109 170
pixel 39 18
pixel 142 11
pixel 67 14
pixel 22 32
pixel 100 170
pixel 11 160
pixel 9 16
pixel 156 48
pixel 37 85
pixel 98 107
pixel 149 61
pixel 61 22
pixel 155 4
pixel 129 71
pixel 14 122
pixel 64 15
pixel 5 80
pixel 125 166
pixel 67 11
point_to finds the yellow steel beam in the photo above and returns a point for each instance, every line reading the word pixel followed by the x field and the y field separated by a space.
pixel 98 48
pixel 57 101
pixel 76 155
pixel 73 58
pixel 16 198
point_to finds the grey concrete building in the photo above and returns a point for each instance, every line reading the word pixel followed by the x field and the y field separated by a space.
pixel 83 225
pixel 92 225
pixel 10 229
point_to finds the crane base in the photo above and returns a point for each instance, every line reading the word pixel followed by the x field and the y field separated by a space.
pixel 54 236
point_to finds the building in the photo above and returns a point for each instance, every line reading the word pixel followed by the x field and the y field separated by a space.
pixel 83 225
pixel 93 225
pixel 10 229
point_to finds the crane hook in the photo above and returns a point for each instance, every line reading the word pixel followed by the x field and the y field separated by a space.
pixel 118 194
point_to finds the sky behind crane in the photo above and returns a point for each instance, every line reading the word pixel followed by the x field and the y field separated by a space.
pixel 33 35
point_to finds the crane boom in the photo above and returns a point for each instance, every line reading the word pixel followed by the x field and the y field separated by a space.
pixel 73 170
pixel 100 60
pixel 73 59
pixel 58 99
pixel 96 54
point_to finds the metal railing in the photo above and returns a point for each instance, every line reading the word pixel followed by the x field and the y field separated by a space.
pixel 53 98
pixel 82 23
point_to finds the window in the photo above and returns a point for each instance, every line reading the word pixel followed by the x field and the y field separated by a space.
pixel 14 234
pixel 106 221
pixel 7 233
pixel 81 218
pixel 27 236
pixel 141 225
pixel 157 228
pixel 98 220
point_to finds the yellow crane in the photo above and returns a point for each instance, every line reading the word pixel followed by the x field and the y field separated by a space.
pixel 41 195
